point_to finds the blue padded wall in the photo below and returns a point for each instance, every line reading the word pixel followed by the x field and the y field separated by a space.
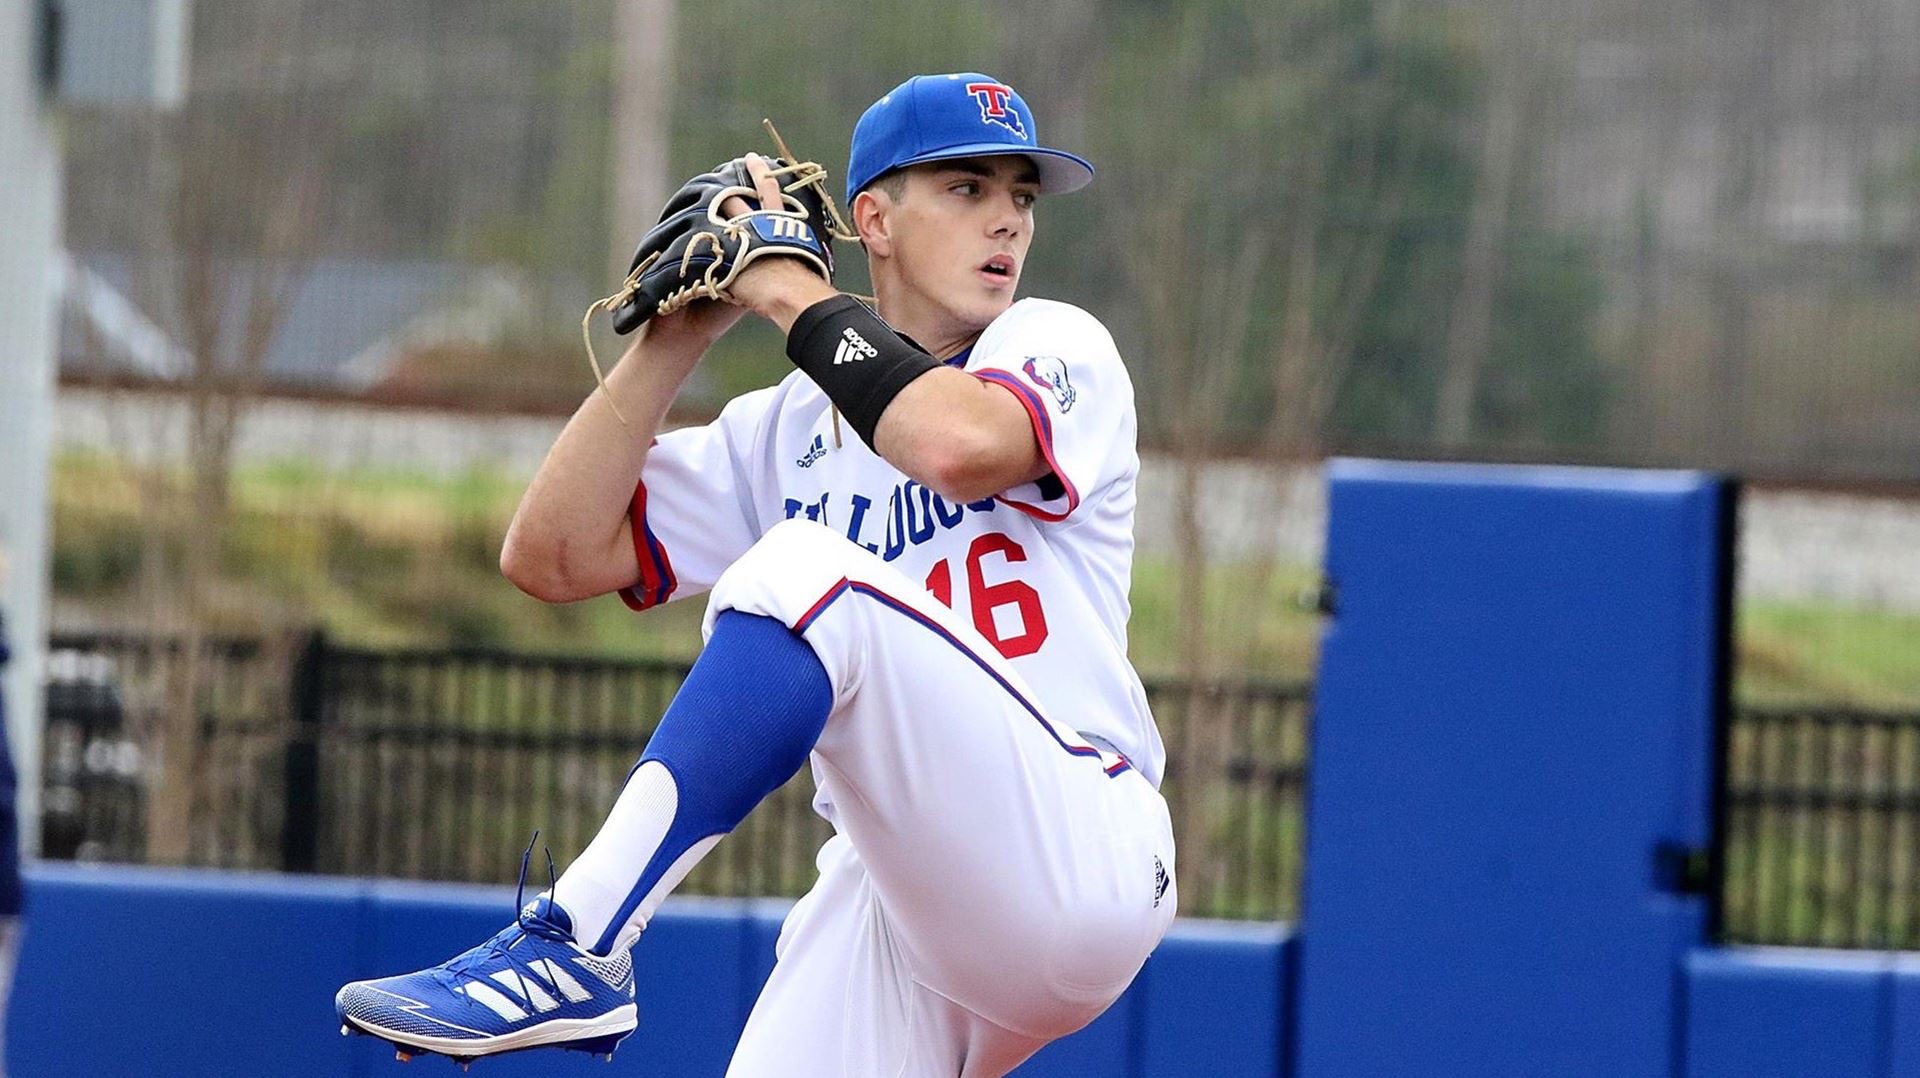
pixel 1903 1032
pixel 1209 997
pixel 128 971
pixel 1784 1013
pixel 1515 709
pixel 119 980
pixel 141 971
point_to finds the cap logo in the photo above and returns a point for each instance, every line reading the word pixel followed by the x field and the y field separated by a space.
pixel 992 99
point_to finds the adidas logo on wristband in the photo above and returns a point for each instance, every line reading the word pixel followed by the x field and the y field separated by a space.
pixel 853 348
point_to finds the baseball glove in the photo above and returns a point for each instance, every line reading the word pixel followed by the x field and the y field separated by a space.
pixel 696 250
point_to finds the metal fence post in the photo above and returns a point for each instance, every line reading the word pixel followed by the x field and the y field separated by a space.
pixel 300 839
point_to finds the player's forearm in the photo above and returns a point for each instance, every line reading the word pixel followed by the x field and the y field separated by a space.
pixel 949 431
pixel 959 436
pixel 569 538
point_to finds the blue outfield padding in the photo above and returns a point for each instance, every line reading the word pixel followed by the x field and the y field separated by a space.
pixel 133 971
pixel 116 975
pixel 1903 1033
pixel 1514 717
pixel 1210 996
pixel 1788 1013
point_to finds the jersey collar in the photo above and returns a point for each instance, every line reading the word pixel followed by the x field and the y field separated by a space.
pixel 959 360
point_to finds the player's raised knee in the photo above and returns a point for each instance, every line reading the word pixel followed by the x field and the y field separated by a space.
pixel 799 530
pixel 805 540
pixel 794 562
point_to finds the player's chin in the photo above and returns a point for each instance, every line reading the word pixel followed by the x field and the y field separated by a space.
pixel 987 304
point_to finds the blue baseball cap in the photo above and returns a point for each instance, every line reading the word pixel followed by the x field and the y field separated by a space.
pixel 940 117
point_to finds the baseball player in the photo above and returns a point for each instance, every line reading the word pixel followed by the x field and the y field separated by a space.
pixel 917 548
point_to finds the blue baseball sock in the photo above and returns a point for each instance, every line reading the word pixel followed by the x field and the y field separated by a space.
pixel 741 725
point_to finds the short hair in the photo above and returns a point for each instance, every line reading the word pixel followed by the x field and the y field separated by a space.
pixel 893 182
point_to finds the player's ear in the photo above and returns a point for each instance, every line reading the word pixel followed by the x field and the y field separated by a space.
pixel 870 211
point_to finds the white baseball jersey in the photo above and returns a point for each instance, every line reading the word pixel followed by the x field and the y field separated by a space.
pixel 998 876
pixel 1041 571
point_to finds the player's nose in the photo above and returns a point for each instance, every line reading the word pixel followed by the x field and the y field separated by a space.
pixel 1007 218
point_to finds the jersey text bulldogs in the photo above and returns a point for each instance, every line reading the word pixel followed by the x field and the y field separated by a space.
pixel 912 516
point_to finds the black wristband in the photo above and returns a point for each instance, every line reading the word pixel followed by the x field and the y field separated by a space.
pixel 857 360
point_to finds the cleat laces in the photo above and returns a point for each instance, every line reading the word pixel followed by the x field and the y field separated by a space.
pixel 462 969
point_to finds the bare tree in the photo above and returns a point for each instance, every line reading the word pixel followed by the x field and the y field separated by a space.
pixel 1196 293
pixel 1470 327
pixel 1252 274
pixel 1333 268
pixel 1269 227
pixel 1748 130
pixel 1034 38
pixel 640 148
pixel 237 181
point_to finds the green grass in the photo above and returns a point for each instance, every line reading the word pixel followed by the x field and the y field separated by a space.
pixel 380 558
pixel 1258 620
pixel 386 557
pixel 1817 652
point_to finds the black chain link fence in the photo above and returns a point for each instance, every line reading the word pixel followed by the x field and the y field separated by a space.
pixel 432 764
pixel 437 764
pixel 1821 823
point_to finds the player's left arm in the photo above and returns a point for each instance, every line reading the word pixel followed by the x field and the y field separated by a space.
pixel 1060 367
pixel 955 434
pixel 962 437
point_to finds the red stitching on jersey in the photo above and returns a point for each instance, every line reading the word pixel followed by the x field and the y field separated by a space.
pixel 1043 434
pixel 657 581
pixel 901 606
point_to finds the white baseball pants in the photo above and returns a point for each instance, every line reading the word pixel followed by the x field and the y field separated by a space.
pixel 996 882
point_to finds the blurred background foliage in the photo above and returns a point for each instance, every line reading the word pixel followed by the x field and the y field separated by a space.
pixel 1626 233
pixel 1315 161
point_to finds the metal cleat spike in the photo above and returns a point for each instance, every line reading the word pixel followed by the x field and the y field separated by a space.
pixel 344 1031
pixel 466 1065
pixel 403 1055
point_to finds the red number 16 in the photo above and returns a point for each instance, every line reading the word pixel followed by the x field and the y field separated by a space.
pixel 984 598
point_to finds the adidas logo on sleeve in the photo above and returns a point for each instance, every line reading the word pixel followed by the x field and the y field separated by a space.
pixel 853 348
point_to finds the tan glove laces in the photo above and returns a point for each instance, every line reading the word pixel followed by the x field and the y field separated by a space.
pixel 792 176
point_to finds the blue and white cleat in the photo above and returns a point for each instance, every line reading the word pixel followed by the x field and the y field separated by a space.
pixel 530 986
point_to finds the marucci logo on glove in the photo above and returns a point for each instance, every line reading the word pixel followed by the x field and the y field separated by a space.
pixel 853 348
pixel 698 247
pixel 783 228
